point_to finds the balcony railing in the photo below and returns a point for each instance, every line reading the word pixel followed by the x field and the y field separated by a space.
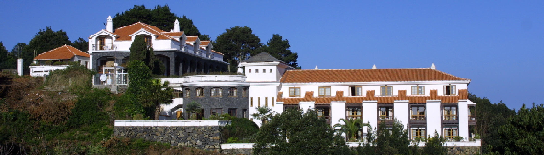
pixel 418 117
pixel 327 119
pixel 386 118
pixel 103 47
pixel 111 79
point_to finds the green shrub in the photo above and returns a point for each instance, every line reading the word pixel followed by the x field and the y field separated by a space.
pixel 89 109
pixel 239 130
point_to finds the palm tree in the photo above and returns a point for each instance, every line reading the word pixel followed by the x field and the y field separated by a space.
pixel 350 127
pixel 263 114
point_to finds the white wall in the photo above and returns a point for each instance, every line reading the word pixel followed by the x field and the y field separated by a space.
pixel 262 91
pixel 337 112
pixel 305 106
pixel 260 76
pixel 463 118
pixel 370 113
pixel 401 112
pixel 434 117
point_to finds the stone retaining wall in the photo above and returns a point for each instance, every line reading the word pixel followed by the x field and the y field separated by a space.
pixel 201 137
pixel 468 150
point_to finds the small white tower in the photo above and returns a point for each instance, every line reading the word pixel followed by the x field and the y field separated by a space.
pixel 374 67
pixel 433 67
pixel 109 24
pixel 176 26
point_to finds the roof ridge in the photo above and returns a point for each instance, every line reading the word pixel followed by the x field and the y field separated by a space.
pixel 355 69
pixel 52 50
pixel 69 49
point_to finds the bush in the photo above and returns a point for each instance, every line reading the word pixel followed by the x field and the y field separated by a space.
pixel 240 130
pixel 89 109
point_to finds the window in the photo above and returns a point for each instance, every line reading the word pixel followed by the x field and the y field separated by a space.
pixel 256 70
pixel 232 112
pixel 294 91
pixel 323 112
pixel 418 133
pixel 270 70
pixel 249 70
pixel 386 90
pixel 449 90
pixel 450 113
pixel 251 102
pixel 258 101
pixel 471 114
pixel 353 113
pixel 101 43
pixel 216 92
pixel 177 93
pixel 264 70
pixel 386 113
pixel 272 101
pixel 450 132
pixel 356 90
pixel 418 90
pixel 216 111
pixel 417 113
pixel 199 92
pixel 244 92
pixel 324 91
pixel 233 91
pixel 187 90
pixel 147 40
pixel 244 113
pixel 266 101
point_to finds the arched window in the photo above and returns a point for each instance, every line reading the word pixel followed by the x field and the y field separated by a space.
pixel 199 92
pixel 233 92
pixel 216 92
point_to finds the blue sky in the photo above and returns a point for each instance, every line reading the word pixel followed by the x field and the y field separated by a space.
pixel 499 45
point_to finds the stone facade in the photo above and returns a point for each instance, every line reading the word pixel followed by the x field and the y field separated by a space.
pixel 224 102
pixel 237 151
pixel 468 150
pixel 201 137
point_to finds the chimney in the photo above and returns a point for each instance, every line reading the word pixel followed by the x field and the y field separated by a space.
pixel 432 66
pixel 374 67
pixel 176 26
pixel 20 67
pixel 109 24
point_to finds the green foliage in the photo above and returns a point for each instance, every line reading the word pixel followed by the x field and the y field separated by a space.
pixel 524 132
pixel 186 25
pixel 279 48
pixel 238 43
pixel 81 44
pixel 141 52
pixel 193 108
pixel 394 140
pixel 490 117
pixel 7 60
pixel 75 78
pixel 435 145
pixel 240 130
pixel 351 127
pixel 263 113
pixel 45 40
pixel 89 109
pixel 284 134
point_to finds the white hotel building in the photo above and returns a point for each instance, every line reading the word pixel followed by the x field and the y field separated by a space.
pixel 424 100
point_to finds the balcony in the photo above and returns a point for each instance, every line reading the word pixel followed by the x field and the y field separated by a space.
pixel 214 78
pixel 103 47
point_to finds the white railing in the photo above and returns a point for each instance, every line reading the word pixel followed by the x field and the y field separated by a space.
pixel 214 78
pixel 119 123
pixel 103 47
pixel 40 71
pixel 111 79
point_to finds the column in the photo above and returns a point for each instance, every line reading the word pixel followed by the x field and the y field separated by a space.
pixel 172 65
pixel 401 112
pixel 337 112
pixel 463 119
pixel 306 105
pixel 434 117
pixel 370 114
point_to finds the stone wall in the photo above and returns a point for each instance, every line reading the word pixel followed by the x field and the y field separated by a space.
pixel 201 137
pixel 468 150
pixel 224 102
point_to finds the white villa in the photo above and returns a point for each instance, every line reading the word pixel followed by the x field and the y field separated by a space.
pixel 46 60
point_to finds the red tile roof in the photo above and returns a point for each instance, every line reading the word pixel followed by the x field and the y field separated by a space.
pixel 204 43
pixel 191 38
pixel 177 34
pixel 125 31
pixel 61 53
pixel 366 75
pixel 370 96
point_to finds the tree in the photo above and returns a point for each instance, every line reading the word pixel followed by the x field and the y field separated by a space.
pixel 279 48
pixel 81 44
pixel 434 145
pixel 44 41
pixel 263 114
pixel 193 108
pixel 156 93
pixel 18 49
pixel 351 127
pixel 523 133
pixel 238 44
pixel 7 60
pixel 140 51
pixel 490 117
pixel 239 130
pixel 186 25
pixel 393 141
pixel 294 132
